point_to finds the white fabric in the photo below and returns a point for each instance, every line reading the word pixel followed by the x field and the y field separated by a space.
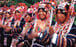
pixel 54 38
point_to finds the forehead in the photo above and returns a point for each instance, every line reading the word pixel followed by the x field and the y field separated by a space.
pixel 58 9
pixel 41 10
pixel 27 15
pixel 60 15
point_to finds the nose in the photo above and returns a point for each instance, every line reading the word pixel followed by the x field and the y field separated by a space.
pixel 6 14
pixel 41 12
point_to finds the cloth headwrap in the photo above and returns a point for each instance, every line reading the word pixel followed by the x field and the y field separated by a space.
pixel 1 11
pixel 74 0
pixel 30 11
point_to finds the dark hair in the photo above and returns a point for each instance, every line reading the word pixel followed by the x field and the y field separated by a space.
pixel 17 11
pixel 30 14
pixel 42 9
pixel 8 13
pixel 65 14
pixel 67 7
pixel 60 10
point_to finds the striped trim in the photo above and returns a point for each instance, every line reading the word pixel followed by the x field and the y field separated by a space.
pixel 61 41
pixel 65 42
pixel 47 39
pixel 58 40
pixel 72 35
pixel 44 37
pixel 73 40
pixel 27 42
pixel 70 42
pixel 38 45
pixel 55 38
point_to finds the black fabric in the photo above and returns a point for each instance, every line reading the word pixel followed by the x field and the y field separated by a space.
pixel 9 40
pixel 53 23
pixel 1 37
pixel 19 28
pixel 73 29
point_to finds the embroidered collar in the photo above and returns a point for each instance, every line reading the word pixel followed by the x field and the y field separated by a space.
pixel 65 28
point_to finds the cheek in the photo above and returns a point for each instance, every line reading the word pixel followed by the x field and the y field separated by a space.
pixel 17 13
pixel 44 13
pixel 0 16
pixel 62 18
pixel 8 15
pixel 28 18
pixel 17 16
pixel 38 13
pixel 42 16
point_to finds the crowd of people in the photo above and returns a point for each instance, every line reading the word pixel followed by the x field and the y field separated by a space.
pixel 21 26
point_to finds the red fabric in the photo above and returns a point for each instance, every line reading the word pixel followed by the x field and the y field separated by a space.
pixel 19 17
pixel 23 4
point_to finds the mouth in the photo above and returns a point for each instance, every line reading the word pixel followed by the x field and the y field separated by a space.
pixel 41 15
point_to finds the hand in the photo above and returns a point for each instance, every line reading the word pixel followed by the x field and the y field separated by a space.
pixel 21 44
pixel 74 13
pixel 1 25
pixel 51 30
pixel 4 26
pixel 33 35
pixel 8 29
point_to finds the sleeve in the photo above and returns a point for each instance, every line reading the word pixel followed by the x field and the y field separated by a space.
pixel 43 37
pixel 23 32
pixel 22 23
pixel 62 41
pixel 12 22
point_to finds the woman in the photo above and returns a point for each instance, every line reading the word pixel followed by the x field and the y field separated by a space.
pixel 17 25
pixel 27 29
pixel 7 28
pixel 1 29
pixel 41 29
pixel 62 29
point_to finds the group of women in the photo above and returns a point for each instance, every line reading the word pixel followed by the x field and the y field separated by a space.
pixel 34 27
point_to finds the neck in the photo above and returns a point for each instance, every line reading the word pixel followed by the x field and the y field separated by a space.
pixel 0 17
pixel 62 23
pixel 43 19
pixel 29 21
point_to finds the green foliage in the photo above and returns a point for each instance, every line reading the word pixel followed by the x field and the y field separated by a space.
pixel 27 2
pixel 75 21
